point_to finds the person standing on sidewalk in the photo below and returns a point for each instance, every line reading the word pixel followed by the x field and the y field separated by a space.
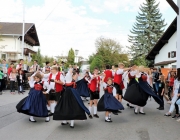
pixel 12 78
pixel 161 90
pixel 1 76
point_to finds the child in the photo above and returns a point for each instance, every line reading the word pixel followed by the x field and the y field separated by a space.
pixel 35 103
pixel 108 102
pixel 161 91
pixel 12 78
pixel 20 80
pixel 1 77
pixel 94 91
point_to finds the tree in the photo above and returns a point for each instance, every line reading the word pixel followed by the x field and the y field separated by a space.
pixel 146 31
pixel 71 57
pixel 38 57
pixel 109 52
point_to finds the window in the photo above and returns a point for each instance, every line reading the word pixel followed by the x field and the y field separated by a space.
pixel 173 54
pixel 3 56
pixel 174 66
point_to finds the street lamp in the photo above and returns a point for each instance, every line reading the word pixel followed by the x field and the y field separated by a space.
pixel 76 54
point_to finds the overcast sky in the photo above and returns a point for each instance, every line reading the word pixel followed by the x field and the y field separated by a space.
pixel 62 24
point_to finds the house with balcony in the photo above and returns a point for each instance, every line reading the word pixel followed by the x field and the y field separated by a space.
pixel 163 54
pixel 11 41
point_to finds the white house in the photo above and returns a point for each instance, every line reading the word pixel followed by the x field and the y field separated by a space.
pixel 164 52
pixel 11 40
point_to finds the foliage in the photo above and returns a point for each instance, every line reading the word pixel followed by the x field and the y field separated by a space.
pixel 109 52
pixel 38 57
pixel 146 31
pixel 71 57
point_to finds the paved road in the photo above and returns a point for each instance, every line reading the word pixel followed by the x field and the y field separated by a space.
pixel 125 126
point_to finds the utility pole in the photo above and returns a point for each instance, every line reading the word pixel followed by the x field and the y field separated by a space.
pixel 23 26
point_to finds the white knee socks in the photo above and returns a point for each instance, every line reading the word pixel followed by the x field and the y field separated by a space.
pixel 141 110
pixel 52 107
pixel 95 109
pixel 136 109
pixel 72 123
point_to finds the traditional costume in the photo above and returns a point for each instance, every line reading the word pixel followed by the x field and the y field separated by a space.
pixel 139 91
pixel 70 105
pixel 82 87
pixel 35 103
pixel 108 102
pixel 55 89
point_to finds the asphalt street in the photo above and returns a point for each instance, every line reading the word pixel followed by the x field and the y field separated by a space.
pixel 125 126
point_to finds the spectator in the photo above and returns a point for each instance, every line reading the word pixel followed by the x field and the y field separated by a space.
pixel 20 81
pixel 4 67
pixel 20 65
pixel 1 77
pixel 10 68
pixel 12 78
pixel 155 77
pixel 171 83
pixel 35 67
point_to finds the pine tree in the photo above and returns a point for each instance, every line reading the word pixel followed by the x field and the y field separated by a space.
pixel 38 57
pixel 146 31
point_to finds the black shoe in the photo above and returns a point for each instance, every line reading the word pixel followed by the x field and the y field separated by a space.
pixel 64 123
pixel 135 112
pixel 161 108
pixel 96 116
pixel 128 105
pixel 108 120
pixel 119 111
pixel 158 108
pixel 32 121
pixel 175 117
pixel 115 113
pixel 90 116
pixel 142 113
pixel 71 126
pixel 50 114
pixel 131 106
pixel 23 91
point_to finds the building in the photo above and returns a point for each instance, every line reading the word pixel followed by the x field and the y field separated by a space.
pixel 11 40
pixel 65 58
pixel 163 54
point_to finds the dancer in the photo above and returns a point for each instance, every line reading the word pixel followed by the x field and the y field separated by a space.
pixel 82 86
pixel 70 106
pixel 107 73
pixel 131 76
pixel 55 88
pixel 94 91
pixel 35 103
pixel 138 93
pixel 108 102
pixel 118 80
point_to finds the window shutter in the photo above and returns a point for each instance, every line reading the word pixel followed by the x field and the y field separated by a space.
pixel 174 53
pixel 169 54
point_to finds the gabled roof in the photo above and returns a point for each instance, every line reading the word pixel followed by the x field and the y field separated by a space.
pixel 163 40
pixel 15 29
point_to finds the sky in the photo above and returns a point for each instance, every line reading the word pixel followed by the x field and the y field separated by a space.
pixel 65 24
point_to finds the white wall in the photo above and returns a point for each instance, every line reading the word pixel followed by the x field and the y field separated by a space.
pixel 163 53
pixel 13 44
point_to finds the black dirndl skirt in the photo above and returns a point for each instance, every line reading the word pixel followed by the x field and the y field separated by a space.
pixel 69 107
pixel 135 95
pixel 34 104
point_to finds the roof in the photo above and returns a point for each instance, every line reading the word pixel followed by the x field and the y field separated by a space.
pixel 165 63
pixel 163 40
pixel 11 28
